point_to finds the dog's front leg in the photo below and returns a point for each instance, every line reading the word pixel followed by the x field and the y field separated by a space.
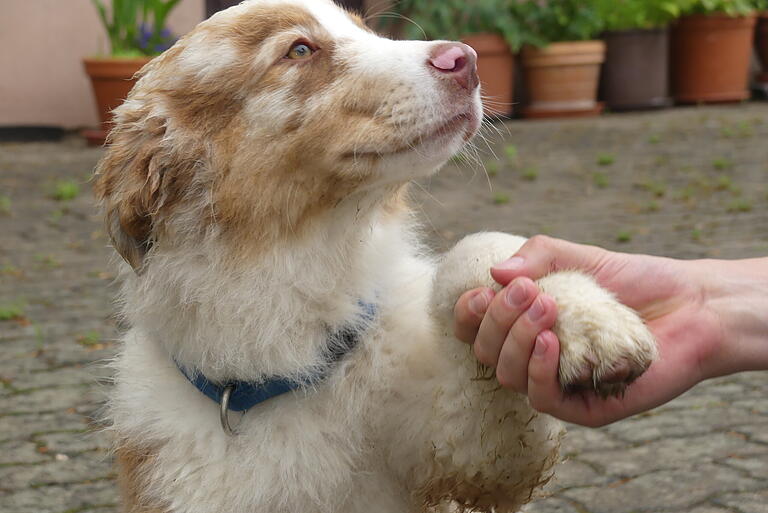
pixel 459 436
pixel 444 426
pixel 450 433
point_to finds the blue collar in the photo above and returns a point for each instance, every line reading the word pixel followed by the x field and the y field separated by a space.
pixel 245 395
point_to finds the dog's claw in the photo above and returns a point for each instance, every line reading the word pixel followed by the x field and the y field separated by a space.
pixel 612 383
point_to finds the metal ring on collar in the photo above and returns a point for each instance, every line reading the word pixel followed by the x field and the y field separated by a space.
pixel 224 410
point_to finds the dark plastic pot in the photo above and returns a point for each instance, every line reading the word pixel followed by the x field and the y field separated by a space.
pixel 761 44
pixel 710 58
pixel 636 69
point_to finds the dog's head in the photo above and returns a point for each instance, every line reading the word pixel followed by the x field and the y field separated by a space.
pixel 269 114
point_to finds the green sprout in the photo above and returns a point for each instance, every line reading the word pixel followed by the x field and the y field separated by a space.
pixel 500 198
pixel 11 311
pixel 605 159
pixel 696 234
pixel 11 270
pixel 600 180
pixel 721 164
pixel 5 205
pixel 48 261
pixel 511 151
pixel 723 183
pixel 89 339
pixel 65 190
pixel 530 174
pixel 652 206
pixel 739 205
pixel 658 189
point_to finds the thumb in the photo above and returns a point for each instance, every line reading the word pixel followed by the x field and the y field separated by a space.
pixel 542 255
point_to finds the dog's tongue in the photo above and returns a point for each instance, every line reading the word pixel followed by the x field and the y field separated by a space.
pixel 447 59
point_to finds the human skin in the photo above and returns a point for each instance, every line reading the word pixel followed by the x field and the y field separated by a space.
pixel 709 317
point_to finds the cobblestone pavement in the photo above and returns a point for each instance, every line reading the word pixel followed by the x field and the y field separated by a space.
pixel 686 183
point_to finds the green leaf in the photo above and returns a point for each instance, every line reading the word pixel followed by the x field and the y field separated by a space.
pixel 123 20
pixel 102 12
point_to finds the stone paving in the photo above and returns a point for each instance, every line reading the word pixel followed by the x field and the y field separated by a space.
pixel 686 183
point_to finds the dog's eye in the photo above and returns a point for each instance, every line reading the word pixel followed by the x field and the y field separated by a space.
pixel 299 51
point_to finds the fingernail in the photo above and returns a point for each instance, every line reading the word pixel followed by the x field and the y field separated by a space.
pixel 540 347
pixel 516 294
pixel 536 311
pixel 511 264
pixel 479 304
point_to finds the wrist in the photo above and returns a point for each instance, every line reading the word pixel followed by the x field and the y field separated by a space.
pixel 736 294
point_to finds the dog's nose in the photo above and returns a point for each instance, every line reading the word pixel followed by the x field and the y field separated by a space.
pixel 457 61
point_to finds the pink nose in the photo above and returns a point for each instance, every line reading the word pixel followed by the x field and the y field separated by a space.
pixel 457 61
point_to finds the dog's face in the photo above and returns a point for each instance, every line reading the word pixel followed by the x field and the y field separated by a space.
pixel 273 112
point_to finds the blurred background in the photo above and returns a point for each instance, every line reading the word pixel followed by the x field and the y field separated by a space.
pixel 525 48
pixel 637 125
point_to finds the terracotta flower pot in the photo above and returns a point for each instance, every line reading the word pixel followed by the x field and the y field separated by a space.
pixel 562 79
pixel 761 44
pixel 636 69
pixel 112 80
pixel 496 69
pixel 710 58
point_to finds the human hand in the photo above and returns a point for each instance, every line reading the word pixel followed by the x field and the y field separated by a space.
pixel 511 330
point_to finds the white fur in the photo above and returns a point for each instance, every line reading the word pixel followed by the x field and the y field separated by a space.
pixel 403 420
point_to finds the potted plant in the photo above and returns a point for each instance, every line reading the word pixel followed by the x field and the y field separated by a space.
pixel 711 50
pixel 562 62
pixel 636 69
pixel 761 39
pixel 488 26
pixel 136 31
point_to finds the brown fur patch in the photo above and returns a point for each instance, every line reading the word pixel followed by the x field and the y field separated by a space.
pixel 397 204
pixel 258 23
pixel 293 176
pixel 258 208
pixel 359 21
pixel 185 139
pixel 132 480
pixel 140 181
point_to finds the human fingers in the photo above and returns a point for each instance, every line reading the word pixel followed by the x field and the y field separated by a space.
pixel 545 394
pixel 512 368
pixel 585 408
pixel 502 313
pixel 468 313
pixel 541 255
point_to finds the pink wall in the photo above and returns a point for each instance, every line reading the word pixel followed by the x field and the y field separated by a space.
pixel 42 42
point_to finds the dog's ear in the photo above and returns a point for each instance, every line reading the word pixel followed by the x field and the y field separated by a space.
pixel 127 185
pixel 138 180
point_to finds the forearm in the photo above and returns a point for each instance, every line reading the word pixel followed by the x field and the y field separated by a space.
pixel 737 293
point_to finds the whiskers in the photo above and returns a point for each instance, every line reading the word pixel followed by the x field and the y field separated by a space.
pixel 471 154
pixel 371 15
pixel 492 130
pixel 495 109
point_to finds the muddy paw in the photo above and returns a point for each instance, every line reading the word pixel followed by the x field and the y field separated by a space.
pixel 610 381
pixel 604 346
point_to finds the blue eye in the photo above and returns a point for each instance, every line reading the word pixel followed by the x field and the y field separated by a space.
pixel 299 51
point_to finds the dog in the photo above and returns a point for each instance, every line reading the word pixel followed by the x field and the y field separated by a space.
pixel 289 344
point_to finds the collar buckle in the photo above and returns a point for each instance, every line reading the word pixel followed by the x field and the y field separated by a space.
pixel 224 410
